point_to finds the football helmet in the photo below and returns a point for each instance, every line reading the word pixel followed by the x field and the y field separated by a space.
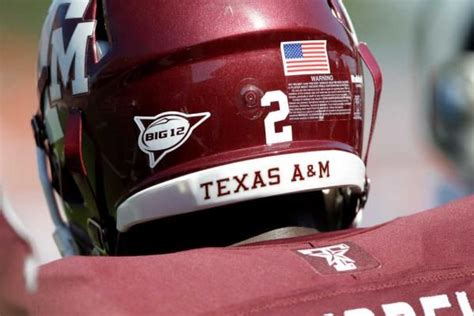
pixel 170 125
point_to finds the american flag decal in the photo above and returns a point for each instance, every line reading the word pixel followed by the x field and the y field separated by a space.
pixel 305 58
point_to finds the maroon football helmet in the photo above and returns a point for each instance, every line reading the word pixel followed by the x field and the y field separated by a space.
pixel 170 125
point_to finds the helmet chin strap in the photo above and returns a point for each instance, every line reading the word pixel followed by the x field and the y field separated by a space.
pixel 62 234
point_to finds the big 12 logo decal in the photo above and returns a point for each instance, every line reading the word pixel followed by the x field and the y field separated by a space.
pixel 165 132
pixel 66 58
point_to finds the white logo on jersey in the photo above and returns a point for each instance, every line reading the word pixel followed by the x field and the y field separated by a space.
pixel 166 132
pixel 61 56
pixel 334 255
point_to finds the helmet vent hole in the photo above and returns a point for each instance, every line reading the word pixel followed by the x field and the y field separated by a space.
pixel 101 33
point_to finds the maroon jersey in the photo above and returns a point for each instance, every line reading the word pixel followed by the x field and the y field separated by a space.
pixel 15 252
pixel 422 264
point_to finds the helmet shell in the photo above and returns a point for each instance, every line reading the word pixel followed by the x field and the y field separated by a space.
pixel 166 89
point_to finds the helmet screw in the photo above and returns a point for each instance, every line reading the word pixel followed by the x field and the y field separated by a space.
pixel 251 96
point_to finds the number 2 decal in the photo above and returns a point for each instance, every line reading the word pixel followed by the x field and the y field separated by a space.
pixel 272 136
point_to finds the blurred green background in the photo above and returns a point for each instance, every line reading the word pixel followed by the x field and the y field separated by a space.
pixel 26 16
pixel 403 165
pixel 22 16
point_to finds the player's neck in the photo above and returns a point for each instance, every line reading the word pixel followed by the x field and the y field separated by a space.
pixel 280 233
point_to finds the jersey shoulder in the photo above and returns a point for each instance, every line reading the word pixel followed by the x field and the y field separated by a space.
pixel 422 261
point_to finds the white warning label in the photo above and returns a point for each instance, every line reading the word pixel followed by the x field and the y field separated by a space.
pixel 322 98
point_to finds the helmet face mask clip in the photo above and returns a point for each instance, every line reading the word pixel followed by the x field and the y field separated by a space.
pixel 165 133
